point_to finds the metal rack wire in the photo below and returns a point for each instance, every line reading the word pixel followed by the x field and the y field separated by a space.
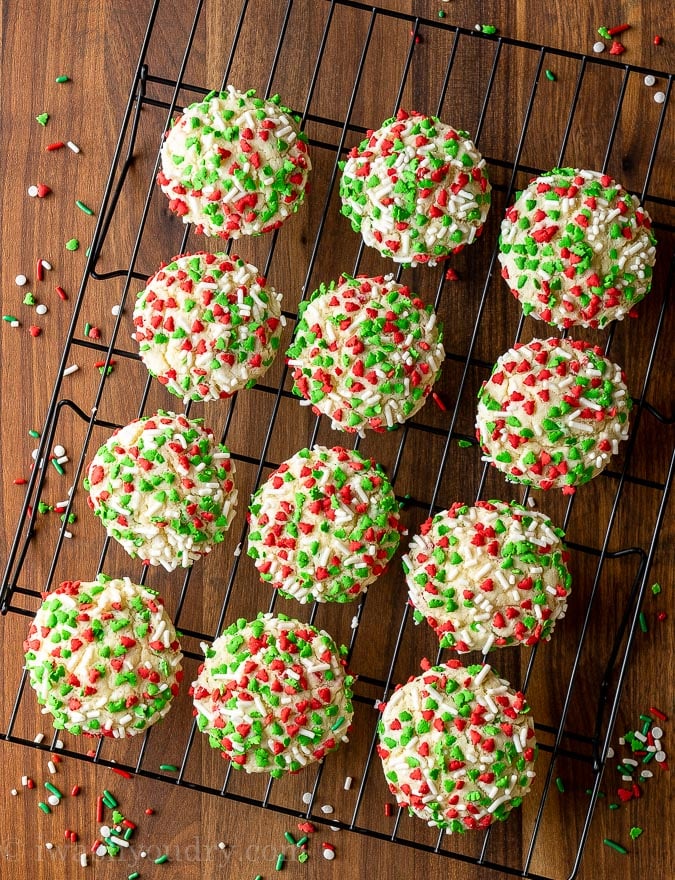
pixel 419 52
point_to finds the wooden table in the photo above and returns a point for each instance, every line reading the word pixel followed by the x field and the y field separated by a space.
pixel 97 44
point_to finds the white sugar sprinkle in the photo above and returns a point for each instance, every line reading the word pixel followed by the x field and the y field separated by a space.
pixel 598 47
pixel 659 97
pixel 307 797
pixel 41 309
pixel 21 280
pixel 32 191
pixel 650 80
pixel 116 309
pixel 328 809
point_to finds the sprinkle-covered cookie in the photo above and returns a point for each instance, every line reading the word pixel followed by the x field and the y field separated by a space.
pixel 273 695
pixel 457 746
pixel 103 657
pixel 488 576
pixel 207 325
pixel 552 413
pixel 235 164
pixel 416 189
pixel 366 353
pixel 324 525
pixel 577 249
pixel 164 489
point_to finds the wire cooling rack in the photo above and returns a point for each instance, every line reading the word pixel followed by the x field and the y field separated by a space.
pixel 522 124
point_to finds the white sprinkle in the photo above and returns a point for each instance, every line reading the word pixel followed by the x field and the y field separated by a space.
pixel 650 80
pixel 143 854
pixel 116 309
pixel 610 752
pixel 222 845
pixel 51 766
pixel 21 280
pixel 84 861
pixel 32 191
pixel 328 809
pixel 14 792
pixel 46 265
pixel 646 774
pixel 41 309
pixel 660 757
pixel 355 621
pixel 639 735
pixel 328 854
pixel 119 840
pixel 630 762
pixel 348 783
pixel 622 741
pixel 67 534
pixel 53 801
pixel 334 827
pixel 307 797
pixel 24 780
pixel 59 450
pixel 73 147
pixel 659 97
pixel 237 550
pixel 14 324
pixel 481 675
pixel 39 738
pixel 73 368
pixel 59 744
pixel 657 733
pixel 598 47
pixel 49 845
pixel 104 830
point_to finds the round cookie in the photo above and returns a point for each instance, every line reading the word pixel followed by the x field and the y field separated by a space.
pixel 366 353
pixel 577 249
pixel 552 413
pixel 207 325
pixel 416 189
pixel 457 746
pixel 488 576
pixel 273 695
pixel 164 489
pixel 103 657
pixel 324 525
pixel 235 164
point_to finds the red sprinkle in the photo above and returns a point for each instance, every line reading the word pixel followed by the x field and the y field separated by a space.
pixel 661 616
pixel 42 190
pixel 73 837
pixel 75 790
pixel 657 713
pixel 329 846
pixel 30 784
pixel 307 827
pixel 99 808
pixel 149 812
pixel 40 270
pixel 57 145
pixel 451 275
pixel 95 845
pixel 20 481
pixel 657 40
pixel 388 809
pixel 617 48
pixel 34 330
pixel 619 29
pixel 438 400
pixel 120 772
pixel 61 292
pixel 56 758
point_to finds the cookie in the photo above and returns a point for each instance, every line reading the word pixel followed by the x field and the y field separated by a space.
pixel 576 249
pixel 366 353
pixel 164 489
pixel 416 189
pixel 488 576
pixel 552 413
pixel 235 164
pixel 207 325
pixel 103 657
pixel 324 525
pixel 273 695
pixel 457 746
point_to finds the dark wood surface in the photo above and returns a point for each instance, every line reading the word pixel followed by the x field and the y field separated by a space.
pixel 97 44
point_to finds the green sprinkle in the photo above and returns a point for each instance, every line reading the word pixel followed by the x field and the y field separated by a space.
pixel 33 433
pixel 54 790
pixel 62 79
pixel 289 837
pixel 29 299
pixel 615 846
pixel 656 589
pixel 464 444
pixel 441 14
pixel 613 806
pixel 107 796
pixel 560 784
pixel 605 34
pixel 488 29
pixel 303 856
pixel 162 859
pixel 83 207
pixel 550 75
pixel 44 807
pixel 302 841
pixel 134 876
pixel 280 862
pixel 10 319
pixel 72 244
pixel 643 622
pixel 42 118
pixel 635 832
pixel 171 768
pixel 57 467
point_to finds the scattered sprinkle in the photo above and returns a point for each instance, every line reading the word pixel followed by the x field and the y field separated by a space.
pixel 307 797
pixel 57 145
pixel 550 75
pixel 635 832
pixel 29 299
pixel 162 859
pixel 171 768
pixel 649 80
pixel 20 280
pixel 62 79
pixel 280 862
pixel 657 40
pixel 328 852
pixel 560 784
pixel 44 807
pixel 73 147
pixel 643 622
pixel 598 47
pixel 51 766
pixel 659 97
pixel 656 589
pixel 33 191
pixel 348 783
pixel 615 846
pixel 72 244
pixel 327 809
pixel 84 208
pixel 73 368
pixel 41 309
pixel 464 444
pixel 43 118
pixel 617 48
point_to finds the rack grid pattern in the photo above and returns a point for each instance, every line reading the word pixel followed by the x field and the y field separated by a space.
pixel 153 100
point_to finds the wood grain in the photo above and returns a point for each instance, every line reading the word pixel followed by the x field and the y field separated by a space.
pixel 97 45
